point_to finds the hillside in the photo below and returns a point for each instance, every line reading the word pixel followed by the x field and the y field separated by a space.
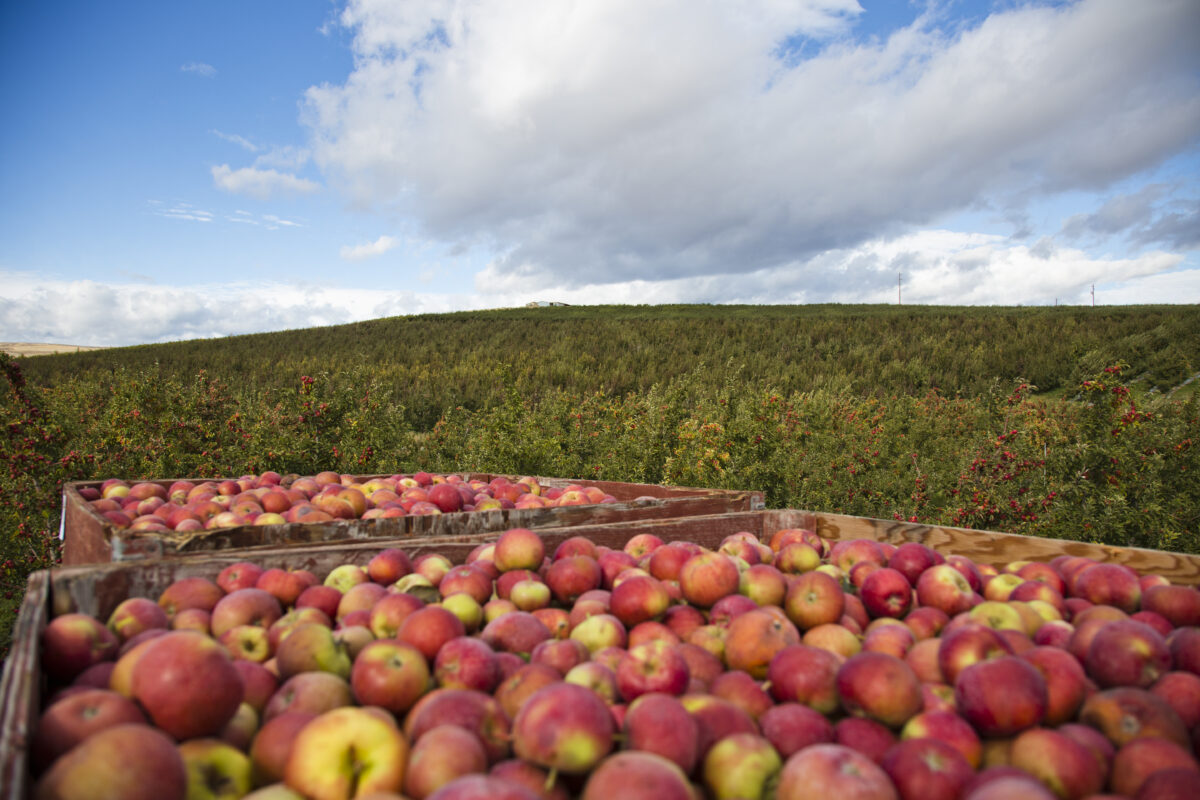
pixel 440 361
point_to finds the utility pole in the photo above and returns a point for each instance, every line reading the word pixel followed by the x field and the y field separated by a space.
pixel 1093 295
pixel 899 298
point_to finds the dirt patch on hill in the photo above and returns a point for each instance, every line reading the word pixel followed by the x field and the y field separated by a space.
pixel 29 349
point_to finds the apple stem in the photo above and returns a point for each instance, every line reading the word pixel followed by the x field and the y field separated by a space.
pixel 551 778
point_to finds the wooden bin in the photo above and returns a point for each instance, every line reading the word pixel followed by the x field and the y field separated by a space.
pixel 97 589
pixel 89 538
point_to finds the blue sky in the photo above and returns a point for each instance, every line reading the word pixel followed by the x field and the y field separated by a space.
pixel 182 170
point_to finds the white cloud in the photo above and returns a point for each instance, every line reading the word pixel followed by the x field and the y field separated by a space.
pixel 182 211
pixel 199 68
pixel 260 183
pixel 360 252
pixel 938 267
pixel 240 141
pixel 626 140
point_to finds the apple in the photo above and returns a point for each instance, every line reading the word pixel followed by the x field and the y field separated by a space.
pixel 272 745
pixel 1127 713
pixel 244 607
pixel 716 718
pixel 564 727
pixel 597 676
pixel 540 782
pixel 477 712
pixel 246 643
pixel 946 726
pixel 867 736
pixel 1066 682
pixel 570 576
pixel 311 648
pixel 895 639
pixel 360 599
pixel 389 674
pixel 707 577
pixel 1001 696
pixel 324 598
pixel 428 628
pixel 1180 605
pixel 927 768
pixel 946 588
pixel 968 644
pixel 600 631
pixel 70 720
pixel 807 675
pixel 742 690
pixel 515 632
pixel 132 761
pixel 1137 760
pixel 258 683
pixel 134 615
pixel 1061 763
pixel 389 565
pixel 1109 584
pixel 666 561
pixel 638 599
pixel 652 667
pixel 753 640
pixel 519 548
pixel 885 592
pixel 879 686
pixel 561 654
pixel 813 599
pixel 796 558
pixel 835 637
pixel 216 769
pixel 285 585
pixel 346 752
pixel 1181 690
pixel 467 662
pixel 825 771
pixel 658 723
pixel 1127 653
pixel 311 692
pixel 742 765
pixel 73 642
pixel 187 684
pixel 791 727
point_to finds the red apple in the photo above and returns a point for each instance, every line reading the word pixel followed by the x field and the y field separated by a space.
pixel 879 686
pixel 1001 696
pixel 187 684
pixel 652 667
pixel 825 771
pixel 129 761
pixel 927 768
pixel 73 642
pixel 658 723
pixel 637 775
pixel 790 727
pixel 707 577
pixel 814 599
pixel 807 675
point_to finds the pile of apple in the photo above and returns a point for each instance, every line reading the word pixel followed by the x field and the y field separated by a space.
pixel 272 499
pixel 786 669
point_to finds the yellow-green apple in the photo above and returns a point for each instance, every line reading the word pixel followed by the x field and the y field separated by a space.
pixel 509 579
pixel 283 626
pixel 1137 760
pixel 867 736
pixel 795 558
pixel 216 770
pixel 71 643
pixel 948 727
pixel 132 761
pixel 814 599
pixel 244 607
pixel 75 717
pixel 478 712
pixel 432 567
pixel 1001 696
pixel 879 686
pixel 311 648
pixel 1127 653
pixel 240 730
pixel 826 771
pixel 599 631
pixel 927 768
pixel 187 684
pixel 1127 713
pixel 354 638
pixel 441 755
pixel 345 753
pixel 742 765
pixel 1064 765
pixel 1000 587
pixel 636 774
pixel 246 642
pixel 530 595
pixel 707 577
pixel 344 576
pixel 391 675
pixel 564 727
pixel 312 692
pixel 597 676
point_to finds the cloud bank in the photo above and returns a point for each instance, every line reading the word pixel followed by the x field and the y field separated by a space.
pixel 612 141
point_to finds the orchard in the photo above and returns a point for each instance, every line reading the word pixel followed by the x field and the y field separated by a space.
pixel 791 667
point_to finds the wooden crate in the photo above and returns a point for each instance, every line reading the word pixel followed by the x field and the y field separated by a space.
pixel 89 538
pixel 97 589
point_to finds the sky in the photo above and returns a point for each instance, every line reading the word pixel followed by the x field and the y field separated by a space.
pixel 181 170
